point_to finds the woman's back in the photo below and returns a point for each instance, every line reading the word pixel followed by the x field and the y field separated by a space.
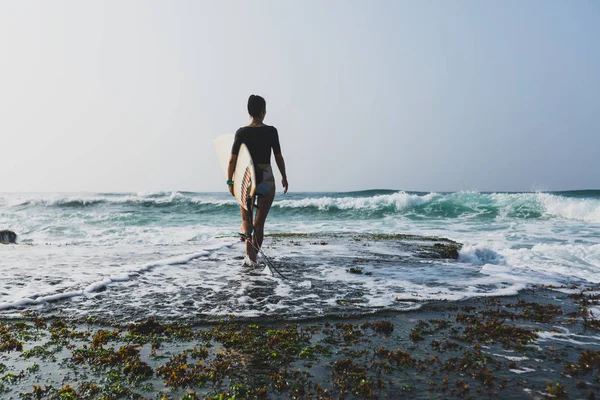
pixel 259 140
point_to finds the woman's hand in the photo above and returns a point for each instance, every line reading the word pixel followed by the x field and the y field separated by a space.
pixel 281 165
pixel 231 189
pixel 284 183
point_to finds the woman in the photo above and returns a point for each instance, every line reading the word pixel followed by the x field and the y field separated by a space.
pixel 260 140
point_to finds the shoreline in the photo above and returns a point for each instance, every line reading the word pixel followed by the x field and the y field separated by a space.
pixel 540 343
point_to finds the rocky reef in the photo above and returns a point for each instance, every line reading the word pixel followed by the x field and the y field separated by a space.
pixel 419 246
pixel 7 236
pixel 540 344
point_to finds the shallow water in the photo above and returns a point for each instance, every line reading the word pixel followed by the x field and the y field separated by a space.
pixel 175 255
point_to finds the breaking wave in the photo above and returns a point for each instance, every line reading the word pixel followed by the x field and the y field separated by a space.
pixel 581 206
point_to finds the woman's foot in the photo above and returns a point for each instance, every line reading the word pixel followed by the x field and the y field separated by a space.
pixel 249 263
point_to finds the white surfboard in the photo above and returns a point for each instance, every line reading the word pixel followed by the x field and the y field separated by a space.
pixel 244 176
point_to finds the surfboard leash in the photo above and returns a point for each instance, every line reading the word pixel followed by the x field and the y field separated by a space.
pixel 269 262
pixel 250 204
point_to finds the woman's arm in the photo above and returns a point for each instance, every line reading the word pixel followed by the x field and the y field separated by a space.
pixel 281 165
pixel 231 170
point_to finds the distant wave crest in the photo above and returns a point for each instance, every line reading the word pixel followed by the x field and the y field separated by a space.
pixel 460 204
pixel 375 203
pixel 397 201
pixel 157 199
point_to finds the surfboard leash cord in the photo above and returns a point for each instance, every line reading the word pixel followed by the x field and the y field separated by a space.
pixel 269 262
pixel 251 205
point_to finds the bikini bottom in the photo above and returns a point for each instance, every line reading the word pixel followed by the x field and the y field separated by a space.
pixel 267 186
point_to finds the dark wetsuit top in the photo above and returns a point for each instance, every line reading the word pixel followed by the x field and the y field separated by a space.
pixel 259 140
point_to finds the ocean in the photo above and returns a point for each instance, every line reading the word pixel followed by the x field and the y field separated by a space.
pixel 176 255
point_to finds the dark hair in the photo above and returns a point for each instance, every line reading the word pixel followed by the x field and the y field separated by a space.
pixel 256 105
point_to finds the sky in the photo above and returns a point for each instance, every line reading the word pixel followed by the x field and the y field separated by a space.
pixel 127 96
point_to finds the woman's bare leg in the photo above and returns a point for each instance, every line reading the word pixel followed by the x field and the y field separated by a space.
pixel 264 205
pixel 246 228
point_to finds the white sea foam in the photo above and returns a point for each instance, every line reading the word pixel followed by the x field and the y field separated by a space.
pixel 479 255
pixel 587 210
pixel 522 370
pixel 127 274
pixel 567 336
pixel 566 261
pixel 399 200
pixel 511 358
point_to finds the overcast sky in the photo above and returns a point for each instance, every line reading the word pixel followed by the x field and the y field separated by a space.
pixel 415 95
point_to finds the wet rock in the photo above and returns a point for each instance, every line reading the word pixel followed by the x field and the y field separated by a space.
pixel 8 237
pixel 446 250
pixel 441 250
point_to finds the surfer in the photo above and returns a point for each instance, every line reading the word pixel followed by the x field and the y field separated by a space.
pixel 260 139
